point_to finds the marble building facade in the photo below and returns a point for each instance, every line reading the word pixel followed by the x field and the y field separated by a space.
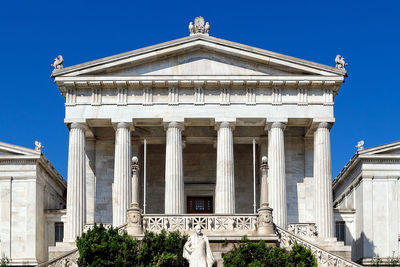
pixel 198 103
pixel 32 200
pixel 366 197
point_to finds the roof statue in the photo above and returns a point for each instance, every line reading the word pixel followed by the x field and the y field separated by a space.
pixel 199 26
pixel 340 63
pixel 58 62
pixel 360 145
pixel 38 146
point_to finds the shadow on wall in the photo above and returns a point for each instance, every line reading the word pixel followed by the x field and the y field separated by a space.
pixel 363 248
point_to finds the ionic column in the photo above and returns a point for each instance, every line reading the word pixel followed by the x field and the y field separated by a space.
pixel 76 187
pixel 122 173
pixel 225 185
pixel 174 187
pixel 276 172
pixel 323 180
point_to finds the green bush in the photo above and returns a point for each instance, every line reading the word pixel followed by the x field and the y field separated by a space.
pixel 257 254
pixel 105 247
pixel 4 262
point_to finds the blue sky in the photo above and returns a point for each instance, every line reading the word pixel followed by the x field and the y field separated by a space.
pixel 366 33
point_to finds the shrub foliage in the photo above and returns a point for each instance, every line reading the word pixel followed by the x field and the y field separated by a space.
pixel 103 247
pixel 257 254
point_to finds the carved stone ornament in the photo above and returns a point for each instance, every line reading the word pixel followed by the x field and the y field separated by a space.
pixel 340 63
pixel 58 62
pixel 199 26
pixel 70 260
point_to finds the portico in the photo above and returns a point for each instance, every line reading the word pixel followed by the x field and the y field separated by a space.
pixel 198 103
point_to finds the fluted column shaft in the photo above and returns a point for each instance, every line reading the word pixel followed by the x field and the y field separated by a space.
pixel 174 187
pixel 225 184
pixel 76 189
pixel 323 180
pixel 276 172
pixel 122 173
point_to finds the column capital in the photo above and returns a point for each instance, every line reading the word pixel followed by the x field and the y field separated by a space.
pixel 78 125
pixel 174 124
pixel 123 124
pixel 275 124
pixel 225 124
pixel 324 124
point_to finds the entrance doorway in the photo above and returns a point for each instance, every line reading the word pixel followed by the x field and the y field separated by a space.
pixel 200 205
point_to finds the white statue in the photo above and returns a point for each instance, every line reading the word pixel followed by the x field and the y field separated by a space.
pixel 197 250
pixel 58 62
pixel 207 27
pixel 191 28
pixel 340 63
pixel 38 146
pixel 360 145
pixel 198 26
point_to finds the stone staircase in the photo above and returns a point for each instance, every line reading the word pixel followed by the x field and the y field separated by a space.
pixel 328 252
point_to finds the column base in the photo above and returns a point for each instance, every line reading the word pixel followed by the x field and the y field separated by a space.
pixel 265 221
pixel 135 226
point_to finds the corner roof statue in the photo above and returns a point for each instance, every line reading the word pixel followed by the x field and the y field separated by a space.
pixel 38 146
pixel 199 26
pixel 340 63
pixel 360 145
pixel 58 62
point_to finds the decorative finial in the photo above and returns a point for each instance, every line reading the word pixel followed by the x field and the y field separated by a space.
pixel 135 160
pixel 264 160
pixel 199 26
pixel 58 62
pixel 360 145
pixel 340 63
pixel 38 146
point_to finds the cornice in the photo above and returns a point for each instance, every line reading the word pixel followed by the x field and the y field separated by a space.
pixel 52 171
pixel 115 82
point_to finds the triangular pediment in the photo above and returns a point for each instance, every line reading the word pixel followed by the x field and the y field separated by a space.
pixel 14 150
pixel 386 149
pixel 200 62
pixel 199 55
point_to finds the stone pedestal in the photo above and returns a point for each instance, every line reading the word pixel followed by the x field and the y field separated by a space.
pixel 276 173
pixel 174 187
pixel 122 173
pixel 323 180
pixel 265 221
pixel 135 226
pixel 225 184
pixel 76 194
